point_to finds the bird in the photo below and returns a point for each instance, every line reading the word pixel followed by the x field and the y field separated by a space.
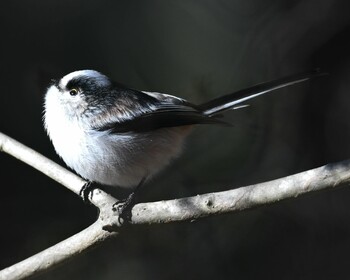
pixel 117 136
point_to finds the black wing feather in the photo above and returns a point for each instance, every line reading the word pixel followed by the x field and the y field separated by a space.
pixel 160 119
pixel 164 111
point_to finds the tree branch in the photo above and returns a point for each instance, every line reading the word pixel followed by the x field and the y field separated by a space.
pixel 57 254
pixel 190 208
pixel 327 176
pixel 41 163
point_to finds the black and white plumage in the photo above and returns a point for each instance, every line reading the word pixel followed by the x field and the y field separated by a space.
pixel 117 136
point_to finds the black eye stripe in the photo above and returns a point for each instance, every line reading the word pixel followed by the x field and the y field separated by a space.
pixel 74 84
pixel 84 84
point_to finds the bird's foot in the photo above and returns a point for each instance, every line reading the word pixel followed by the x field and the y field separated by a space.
pixel 85 191
pixel 123 207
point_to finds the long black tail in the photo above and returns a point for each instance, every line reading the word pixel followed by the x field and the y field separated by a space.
pixel 231 100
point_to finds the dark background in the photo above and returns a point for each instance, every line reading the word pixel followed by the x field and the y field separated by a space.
pixel 196 50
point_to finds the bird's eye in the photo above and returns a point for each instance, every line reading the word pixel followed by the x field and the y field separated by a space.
pixel 73 91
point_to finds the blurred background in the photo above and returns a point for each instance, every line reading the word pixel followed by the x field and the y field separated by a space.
pixel 196 50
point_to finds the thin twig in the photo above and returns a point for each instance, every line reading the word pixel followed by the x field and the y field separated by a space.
pixel 190 208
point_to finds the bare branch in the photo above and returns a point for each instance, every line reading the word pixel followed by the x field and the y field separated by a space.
pixel 328 176
pixel 41 163
pixel 57 254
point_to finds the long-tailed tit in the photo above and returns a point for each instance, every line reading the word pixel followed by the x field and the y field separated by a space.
pixel 117 136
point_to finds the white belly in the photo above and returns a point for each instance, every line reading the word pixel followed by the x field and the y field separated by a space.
pixel 124 160
pixel 121 160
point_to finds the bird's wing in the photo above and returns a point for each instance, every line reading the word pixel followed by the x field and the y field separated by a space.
pixel 150 111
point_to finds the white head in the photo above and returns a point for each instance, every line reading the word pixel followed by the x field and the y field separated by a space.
pixel 71 93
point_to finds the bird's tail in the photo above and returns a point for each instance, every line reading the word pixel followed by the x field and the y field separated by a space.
pixel 230 101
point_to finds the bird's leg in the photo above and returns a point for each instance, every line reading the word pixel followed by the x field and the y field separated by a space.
pixel 85 191
pixel 124 206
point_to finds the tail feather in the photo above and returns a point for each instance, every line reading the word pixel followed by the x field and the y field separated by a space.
pixel 230 101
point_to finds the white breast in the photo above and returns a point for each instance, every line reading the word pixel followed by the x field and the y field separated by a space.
pixel 67 136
